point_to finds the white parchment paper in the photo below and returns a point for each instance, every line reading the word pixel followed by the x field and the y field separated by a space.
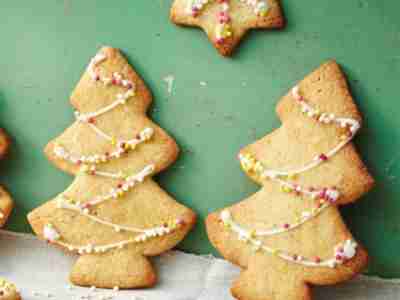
pixel 41 272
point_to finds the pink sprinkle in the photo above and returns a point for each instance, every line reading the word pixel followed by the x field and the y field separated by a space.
pixel 87 205
pixel 195 11
pixel 297 189
pixel 97 77
pixel 317 260
pixel 322 194
pixel 341 250
pixel 339 257
pixel 223 17
pixel 220 41
pixel 323 157
pixel 286 226
pixel 180 221
pixel 78 162
pixel 295 257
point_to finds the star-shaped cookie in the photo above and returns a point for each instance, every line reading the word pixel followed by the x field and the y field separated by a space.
pixel 227 21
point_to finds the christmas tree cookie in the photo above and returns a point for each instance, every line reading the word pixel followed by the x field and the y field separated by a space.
pixel 113 214
pixel 290 235
pixel 227 21
pixel 8 291
pixel 6 203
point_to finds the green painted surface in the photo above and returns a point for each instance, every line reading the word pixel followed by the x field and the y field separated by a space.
pixel 45 46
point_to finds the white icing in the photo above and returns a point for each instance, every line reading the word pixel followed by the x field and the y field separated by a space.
pixel 145 234
pixel 195 6
pixel 50 233
pixel 259 6
pixel 121 99
pixel 353 124
pixel 145 135
pixel 329 194
pixel 305 218
pixel 222 28
pixel 127 185
pixel 349 249
pixel 258 245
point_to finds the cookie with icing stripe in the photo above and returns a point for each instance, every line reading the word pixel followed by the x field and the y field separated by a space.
pixel 8 291
pixel 289 235
pixel 113 215
pixel 227 21
pixel 6 203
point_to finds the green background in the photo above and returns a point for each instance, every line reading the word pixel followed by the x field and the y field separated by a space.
pixel 45 46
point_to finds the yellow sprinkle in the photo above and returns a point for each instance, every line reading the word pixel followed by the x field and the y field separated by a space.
pixel 248 156
pixel 227 225
pixel 253 233
pixel 292 176
pixel 113 141
pixel 258 167
pixel 286 188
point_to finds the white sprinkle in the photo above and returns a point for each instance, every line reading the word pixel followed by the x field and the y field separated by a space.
pixel 170 83
pixel 203 83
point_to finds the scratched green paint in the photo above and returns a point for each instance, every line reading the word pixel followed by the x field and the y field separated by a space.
pixel 46 44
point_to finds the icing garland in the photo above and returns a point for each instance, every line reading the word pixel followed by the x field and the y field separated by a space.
pixel 342 252
pixel 123 146
pixel 325 196
pixel 223 29
pixel 88 166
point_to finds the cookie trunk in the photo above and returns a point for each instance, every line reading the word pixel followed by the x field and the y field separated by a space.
pixel 119 268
